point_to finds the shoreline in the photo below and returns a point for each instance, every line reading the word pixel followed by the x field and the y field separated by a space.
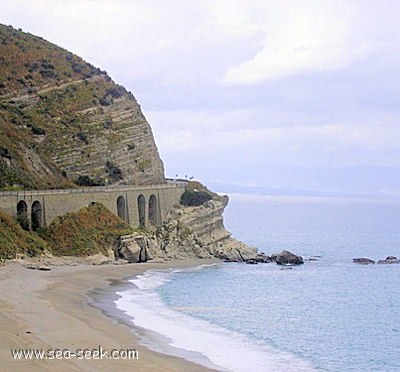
pixel 104 299
pixel 54 310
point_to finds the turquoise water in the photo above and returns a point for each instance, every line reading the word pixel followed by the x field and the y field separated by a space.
pixel 327 315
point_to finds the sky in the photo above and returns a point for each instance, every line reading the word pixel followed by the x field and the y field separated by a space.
pixel 288 96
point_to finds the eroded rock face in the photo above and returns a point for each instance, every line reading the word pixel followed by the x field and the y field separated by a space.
pixel 133 248
pixel 65 121
pixel 199 231
pixel 121 151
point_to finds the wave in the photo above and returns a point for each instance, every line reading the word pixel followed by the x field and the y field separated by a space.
pixel 194 339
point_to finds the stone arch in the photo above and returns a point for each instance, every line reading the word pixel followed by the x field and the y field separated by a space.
pixel 121 208
pixel 36 215
pixel 142 210
pixel 153 210
pixel 22 214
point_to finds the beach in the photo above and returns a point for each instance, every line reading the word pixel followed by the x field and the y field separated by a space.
pixel 50 310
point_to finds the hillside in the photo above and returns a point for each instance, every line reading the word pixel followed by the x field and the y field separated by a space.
pixel 91 230
pixel 64 122
pixel 16 241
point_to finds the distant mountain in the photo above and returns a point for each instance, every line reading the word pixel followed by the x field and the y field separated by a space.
pixel 355 181
pixel 64 122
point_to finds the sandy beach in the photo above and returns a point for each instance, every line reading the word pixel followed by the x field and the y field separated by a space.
pixel 49 310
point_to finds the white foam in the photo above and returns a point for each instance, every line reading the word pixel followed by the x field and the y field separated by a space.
pixel 226 349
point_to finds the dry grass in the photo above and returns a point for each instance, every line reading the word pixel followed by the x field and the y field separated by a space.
pixel 16 241
pixel 88 231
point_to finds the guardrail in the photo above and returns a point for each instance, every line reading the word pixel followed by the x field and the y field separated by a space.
pixel 96 189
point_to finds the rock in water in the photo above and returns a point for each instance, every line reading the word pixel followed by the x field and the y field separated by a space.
pixel 287 258
pixel 263 258
pixel 260 258
pixel 389 260
pixel 363 261
pixel 252 261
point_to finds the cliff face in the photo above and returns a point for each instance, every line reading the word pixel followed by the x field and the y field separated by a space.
pixel 198 231
pixel 64 121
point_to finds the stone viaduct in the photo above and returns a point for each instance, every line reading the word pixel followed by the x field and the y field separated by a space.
pixel 140 206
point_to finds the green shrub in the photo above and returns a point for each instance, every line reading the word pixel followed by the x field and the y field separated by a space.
pixel 37 130
pixel 195 198
pixel 113 171
pixel 87 181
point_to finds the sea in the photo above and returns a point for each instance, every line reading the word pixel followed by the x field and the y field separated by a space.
pixel 329 314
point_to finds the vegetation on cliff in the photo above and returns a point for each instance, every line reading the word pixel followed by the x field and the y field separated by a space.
pixel 63 119
pixel 194 198
pixel 15 241
pixel 86 232
pixel 196 194
pixel 89 231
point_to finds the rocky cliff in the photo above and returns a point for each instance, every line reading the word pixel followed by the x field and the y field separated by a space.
pixel 97 235
pixel 198 231
pixel 190 231
pixel 65 122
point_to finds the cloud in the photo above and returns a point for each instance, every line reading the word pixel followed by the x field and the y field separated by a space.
pixel 207 42
pixel 301 37
pixel 291 140
pixel 142 39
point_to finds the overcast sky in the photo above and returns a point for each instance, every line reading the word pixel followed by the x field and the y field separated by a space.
pixel 286 94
